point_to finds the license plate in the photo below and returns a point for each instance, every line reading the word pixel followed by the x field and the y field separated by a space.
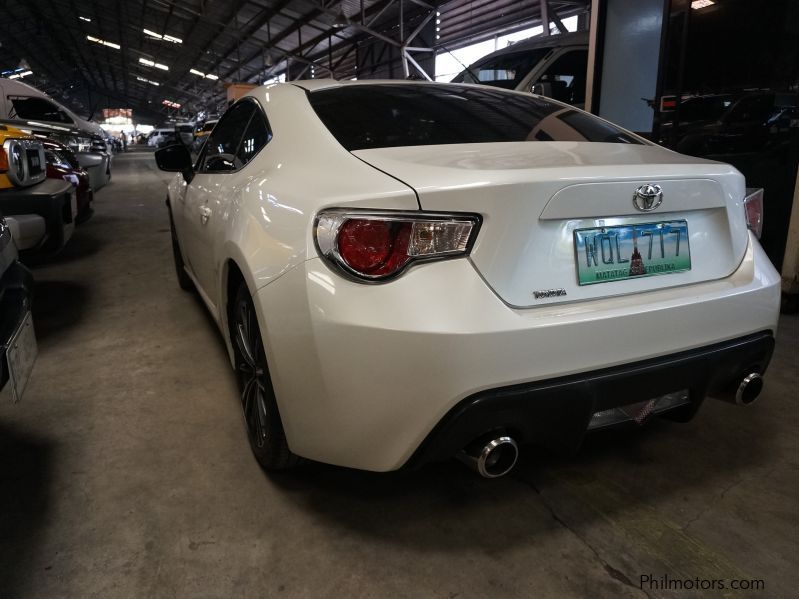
pixel 625 252
pixel 20 355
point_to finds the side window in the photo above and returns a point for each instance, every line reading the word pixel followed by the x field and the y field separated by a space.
pixel 255 137
pixel 40 109
pixel 565 78
pixel 223 144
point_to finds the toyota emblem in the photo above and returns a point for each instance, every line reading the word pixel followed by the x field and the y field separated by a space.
pixel 648 197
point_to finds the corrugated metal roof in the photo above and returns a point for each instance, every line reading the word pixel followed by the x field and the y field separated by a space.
pixel 236 40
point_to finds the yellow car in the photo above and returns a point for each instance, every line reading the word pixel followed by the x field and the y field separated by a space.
pixel 40 212
pixel 201 133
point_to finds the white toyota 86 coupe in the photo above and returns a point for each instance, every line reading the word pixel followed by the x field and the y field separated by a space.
pixel 405 272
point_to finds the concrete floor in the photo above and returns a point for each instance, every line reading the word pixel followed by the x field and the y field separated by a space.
pixel 125 471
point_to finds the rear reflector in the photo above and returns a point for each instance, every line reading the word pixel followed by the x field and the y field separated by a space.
pixel 753 205
pixel 638 412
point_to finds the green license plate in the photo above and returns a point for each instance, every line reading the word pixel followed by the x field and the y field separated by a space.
pixel 631 251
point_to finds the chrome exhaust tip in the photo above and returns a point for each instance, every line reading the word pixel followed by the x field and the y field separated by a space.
pixel 493 458
pixel 749 389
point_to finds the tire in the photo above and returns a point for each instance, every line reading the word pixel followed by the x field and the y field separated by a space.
pixel 184 280
pixel 261 416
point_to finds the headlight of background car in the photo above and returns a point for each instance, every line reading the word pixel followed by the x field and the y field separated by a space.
pixel 12 161
pixel 374 246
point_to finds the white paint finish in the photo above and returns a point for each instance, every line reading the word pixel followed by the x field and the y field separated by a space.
pixel 362 373
pixel 262 215
pixel 531 205
pixel 630 62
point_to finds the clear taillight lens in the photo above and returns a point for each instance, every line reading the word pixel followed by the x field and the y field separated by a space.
pixel 378 245
pixel 753 205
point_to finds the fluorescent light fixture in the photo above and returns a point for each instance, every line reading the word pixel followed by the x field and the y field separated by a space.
pixel 204 75
pixel 170 104
pixel 150 81
pixel 156 65
pixel 166 38
pixel 20 75
pixel 697 4
pixel 97 40
pixel 87 19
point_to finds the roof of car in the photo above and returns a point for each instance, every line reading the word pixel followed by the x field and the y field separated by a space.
pixel 579 38
pixel 313 85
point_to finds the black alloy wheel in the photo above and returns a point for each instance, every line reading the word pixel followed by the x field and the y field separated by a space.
pixel 264 427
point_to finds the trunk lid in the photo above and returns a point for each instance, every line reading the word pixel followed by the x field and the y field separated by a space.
pixel 534 196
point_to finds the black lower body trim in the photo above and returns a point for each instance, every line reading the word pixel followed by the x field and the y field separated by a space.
pixel 16 287
pixel 555 413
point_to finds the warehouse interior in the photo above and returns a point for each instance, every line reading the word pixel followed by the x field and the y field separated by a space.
pixel 125 463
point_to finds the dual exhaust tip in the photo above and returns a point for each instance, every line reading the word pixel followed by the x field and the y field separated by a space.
pixel 497 454
pixel 491 458
pixel 749 389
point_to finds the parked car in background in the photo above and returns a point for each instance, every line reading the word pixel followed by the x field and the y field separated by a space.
pixel 18 347
pixel 63 164
pixel 553 66
pixel 39 211
pixel 158 135
pixel 27 107
pixel 23 102
pixel 96 161
pixel 692 113
pixel 756 122
pixel 91 152
pixel 468 269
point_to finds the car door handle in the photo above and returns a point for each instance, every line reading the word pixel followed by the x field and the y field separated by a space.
pixel 205 214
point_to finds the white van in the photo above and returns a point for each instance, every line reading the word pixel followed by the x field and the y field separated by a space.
pixel 554 66
pixel 157 136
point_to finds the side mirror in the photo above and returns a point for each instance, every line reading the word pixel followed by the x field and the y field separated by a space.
pixel 175 159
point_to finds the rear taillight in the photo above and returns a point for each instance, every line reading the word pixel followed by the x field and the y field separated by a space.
pixel 379 245
pixel 753 205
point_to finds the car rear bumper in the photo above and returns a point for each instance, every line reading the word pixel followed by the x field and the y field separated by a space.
pixel 364 374
pixel 54 201
pixel 557 413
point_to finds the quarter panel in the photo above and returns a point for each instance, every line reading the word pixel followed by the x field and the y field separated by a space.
pixel 268 216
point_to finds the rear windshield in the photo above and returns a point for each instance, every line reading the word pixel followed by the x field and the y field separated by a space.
pixel 506 70
pixel 390 115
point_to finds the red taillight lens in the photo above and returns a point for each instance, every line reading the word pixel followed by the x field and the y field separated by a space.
pixel 753 205
pixel 374 247
pixel 378 245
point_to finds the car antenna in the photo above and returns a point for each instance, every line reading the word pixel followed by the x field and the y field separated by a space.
pixel 467 69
